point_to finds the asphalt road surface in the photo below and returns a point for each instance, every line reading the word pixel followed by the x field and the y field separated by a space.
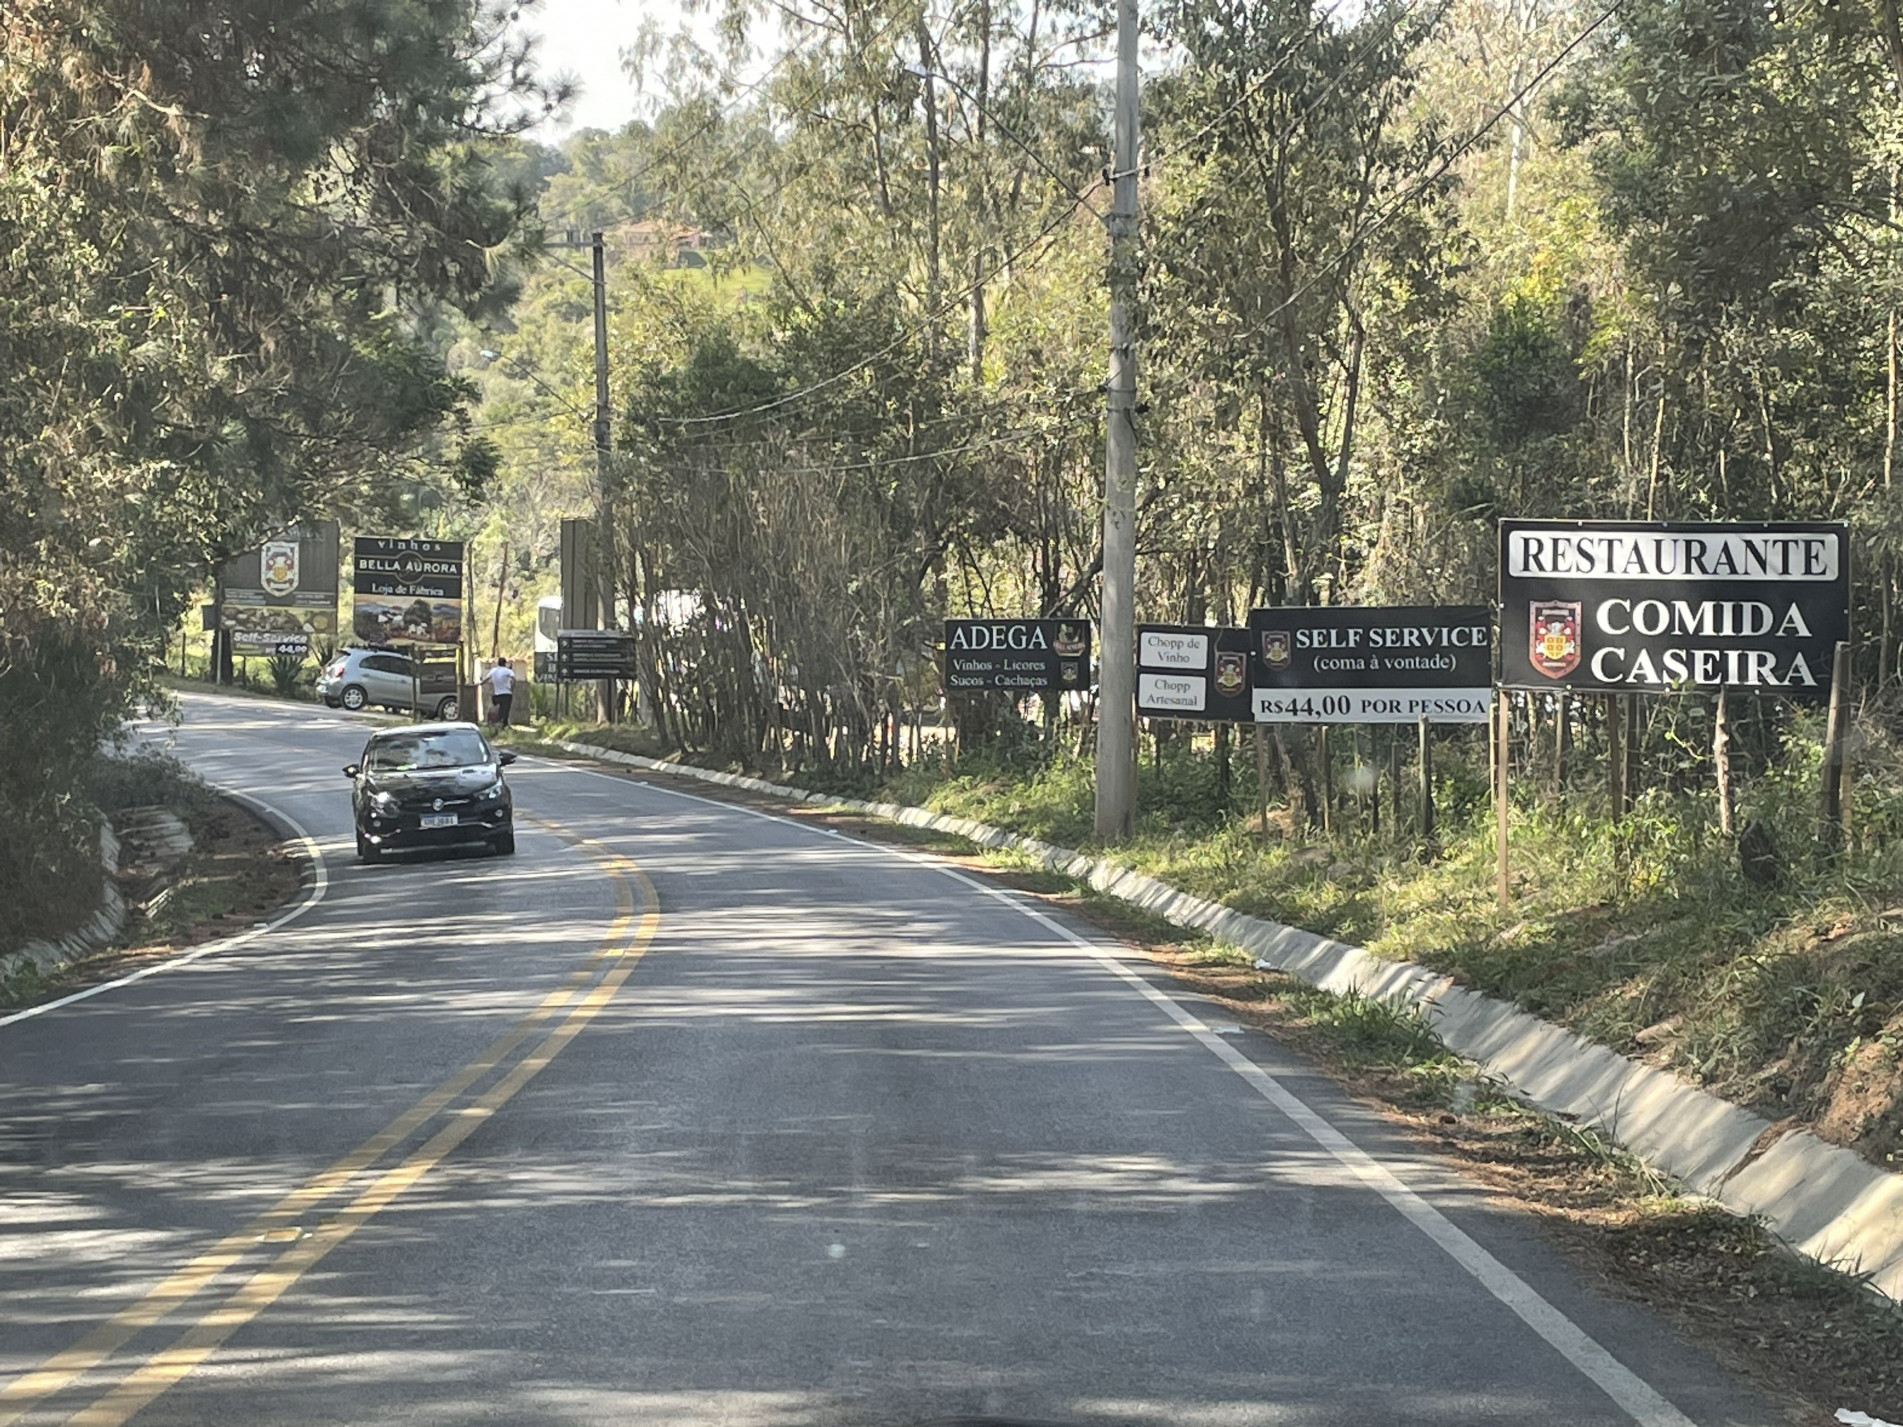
pixel 688 1114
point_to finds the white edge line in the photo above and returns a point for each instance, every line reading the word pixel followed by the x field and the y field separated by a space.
pixel 1634 1396
pixel 313 894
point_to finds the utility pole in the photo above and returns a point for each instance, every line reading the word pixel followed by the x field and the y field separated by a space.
pixel 1116 678
pixel 604 462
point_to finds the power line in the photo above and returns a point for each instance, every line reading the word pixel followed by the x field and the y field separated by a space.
pixel 881 462
pixel 921 72
pixel 1414 191
pixel 731 448
pixel 1362 51
pixel 951 304
pixel 1078 200
pixel 679 144
pixel 872 357
pixel 1081 200
pixel 1255 87
pixel 734 446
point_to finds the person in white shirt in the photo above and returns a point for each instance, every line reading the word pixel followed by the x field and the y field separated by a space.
pixel 502 687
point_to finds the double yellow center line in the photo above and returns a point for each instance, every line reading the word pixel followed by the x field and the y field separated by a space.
pixel 591 987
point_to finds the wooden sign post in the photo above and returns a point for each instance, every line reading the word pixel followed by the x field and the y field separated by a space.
pixel 1830 823
pixel 1427 780
pixel 1503 725
pixel 1262 780
pixel 1721 761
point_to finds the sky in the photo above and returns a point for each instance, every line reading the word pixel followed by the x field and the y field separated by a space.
pixel 584 39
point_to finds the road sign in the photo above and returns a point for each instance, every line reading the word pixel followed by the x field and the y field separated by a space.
pixel 582 654
pixel 408 590
pixel 1016 655
pixel 279 597
pixel 1192 671
pixel 1632 607
pixel 1376 664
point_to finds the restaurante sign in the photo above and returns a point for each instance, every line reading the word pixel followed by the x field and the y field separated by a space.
pixel 1628 607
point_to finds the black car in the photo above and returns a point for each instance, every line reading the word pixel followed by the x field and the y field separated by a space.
pixel 431 785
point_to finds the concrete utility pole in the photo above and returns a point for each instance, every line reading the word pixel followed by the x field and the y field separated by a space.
pixel 1116 678
pixel 603 462
pixel 601 360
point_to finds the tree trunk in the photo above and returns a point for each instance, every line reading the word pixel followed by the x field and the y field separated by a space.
pixel 933 284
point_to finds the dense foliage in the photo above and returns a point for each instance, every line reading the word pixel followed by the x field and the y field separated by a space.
pixel 1405 269
pixel 222 226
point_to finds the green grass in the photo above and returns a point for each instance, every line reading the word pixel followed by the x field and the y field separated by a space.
pixel 1374 1031
pixel 1615 928
pixel 22 986
pixel 621 737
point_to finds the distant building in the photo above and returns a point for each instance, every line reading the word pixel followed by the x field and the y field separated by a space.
pixel 655 240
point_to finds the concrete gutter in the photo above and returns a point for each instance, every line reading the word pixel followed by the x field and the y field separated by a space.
pixel 1824 1201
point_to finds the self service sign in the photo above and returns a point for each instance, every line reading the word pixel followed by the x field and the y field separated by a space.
pixel 1625 607
pixel 1389 664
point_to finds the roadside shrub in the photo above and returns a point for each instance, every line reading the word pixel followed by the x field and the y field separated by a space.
pixel 139 777
pixel 60 701
pixel 285 671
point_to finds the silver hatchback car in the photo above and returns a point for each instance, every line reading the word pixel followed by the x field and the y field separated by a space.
pixel 383 678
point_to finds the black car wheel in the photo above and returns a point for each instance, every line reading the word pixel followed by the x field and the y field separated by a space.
pixel 504 843
pixel 446 708
pixel 354 697
pixel 368 851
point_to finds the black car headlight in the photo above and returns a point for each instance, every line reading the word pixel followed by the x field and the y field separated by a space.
pixel 383 805
pixel 491 795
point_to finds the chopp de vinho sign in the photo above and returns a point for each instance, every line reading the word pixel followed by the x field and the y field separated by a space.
pixel 1016 655
pixel 1629 607
pixel 1195 672
pixel 1374 664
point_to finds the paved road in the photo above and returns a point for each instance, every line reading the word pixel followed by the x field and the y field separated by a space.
pixel 687 1114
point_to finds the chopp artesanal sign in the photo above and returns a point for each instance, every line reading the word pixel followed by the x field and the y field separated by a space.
pixel 1625 607
pixel 1193 671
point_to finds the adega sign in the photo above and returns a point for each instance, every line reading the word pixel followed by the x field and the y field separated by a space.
pixel 1631 608
pixel 1019 655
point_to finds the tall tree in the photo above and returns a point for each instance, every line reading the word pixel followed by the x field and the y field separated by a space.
pixel 222 224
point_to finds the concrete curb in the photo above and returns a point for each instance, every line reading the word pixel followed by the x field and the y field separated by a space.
pixel 95 932
pixel 1824 1201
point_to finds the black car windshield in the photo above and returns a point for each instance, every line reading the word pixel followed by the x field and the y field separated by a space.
pixel 401 752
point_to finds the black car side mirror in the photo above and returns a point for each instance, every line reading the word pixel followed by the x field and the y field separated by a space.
pixel 504 757
pixel 352 770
